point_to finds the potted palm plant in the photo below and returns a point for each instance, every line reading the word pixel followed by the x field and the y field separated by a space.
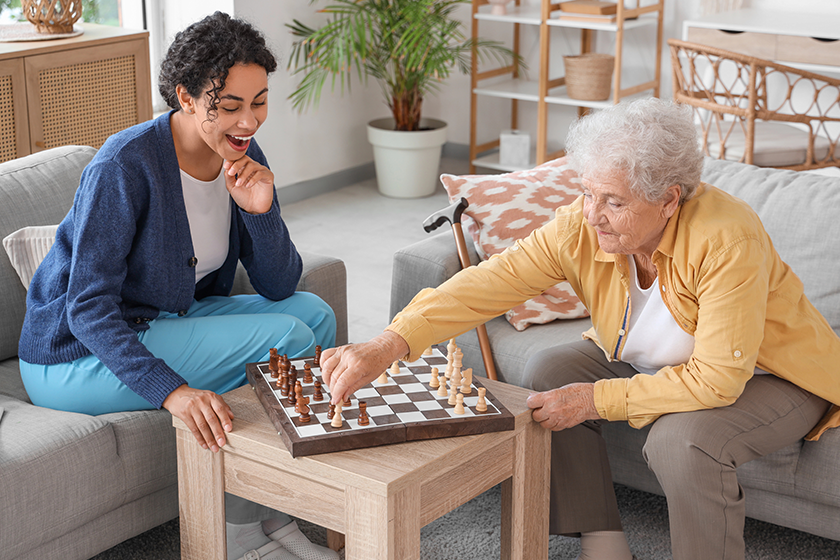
pixel 409 47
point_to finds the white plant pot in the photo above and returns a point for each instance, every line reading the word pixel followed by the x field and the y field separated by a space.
pixel 407 162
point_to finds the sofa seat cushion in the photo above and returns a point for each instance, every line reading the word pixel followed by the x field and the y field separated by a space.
pixel 58 471
pixel 11 385
pixel 146 447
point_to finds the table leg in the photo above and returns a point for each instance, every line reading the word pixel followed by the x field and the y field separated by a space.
pixel 525 497
pixel 382 528
pixel 335 540
pixel 201 490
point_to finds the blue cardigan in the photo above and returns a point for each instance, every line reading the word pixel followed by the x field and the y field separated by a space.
pixel 124 253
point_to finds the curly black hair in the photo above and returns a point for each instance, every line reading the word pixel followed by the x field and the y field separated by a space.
pixel 203 53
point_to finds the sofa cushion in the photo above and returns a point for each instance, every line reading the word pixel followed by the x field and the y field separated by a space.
pixel 799 211
pixel 27 247
pixel 507 207
pixel 11 384
pixel 35 190
pixel 53 464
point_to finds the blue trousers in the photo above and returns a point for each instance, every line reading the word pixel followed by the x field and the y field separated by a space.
pixel 208 347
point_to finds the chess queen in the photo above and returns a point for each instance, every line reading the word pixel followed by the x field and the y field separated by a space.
pixel 131 309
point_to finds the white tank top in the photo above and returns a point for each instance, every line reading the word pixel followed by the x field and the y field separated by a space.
pixel 654 340
pixel 208 211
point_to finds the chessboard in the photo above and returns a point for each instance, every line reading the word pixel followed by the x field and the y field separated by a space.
pixel 402 405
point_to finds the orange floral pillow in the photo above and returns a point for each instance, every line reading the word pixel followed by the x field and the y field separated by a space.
pixel 504 208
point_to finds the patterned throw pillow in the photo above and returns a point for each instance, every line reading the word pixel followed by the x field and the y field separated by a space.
pixel 504 208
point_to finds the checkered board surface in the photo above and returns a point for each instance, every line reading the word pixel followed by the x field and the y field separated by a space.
pixel 404 409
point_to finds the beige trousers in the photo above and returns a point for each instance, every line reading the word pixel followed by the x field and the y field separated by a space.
pixel 693 454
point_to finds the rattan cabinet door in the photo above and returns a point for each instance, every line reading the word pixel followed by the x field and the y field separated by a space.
pixel 14 125
pixel 82 96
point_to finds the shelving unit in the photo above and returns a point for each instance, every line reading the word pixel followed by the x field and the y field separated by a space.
pixel 550 90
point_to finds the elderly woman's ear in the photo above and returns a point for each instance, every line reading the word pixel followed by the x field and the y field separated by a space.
pixel 671 200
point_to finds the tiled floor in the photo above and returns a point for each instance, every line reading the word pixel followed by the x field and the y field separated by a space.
pixel 365 229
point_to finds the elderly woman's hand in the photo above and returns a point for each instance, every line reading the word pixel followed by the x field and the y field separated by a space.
pixel 347 368
pixel 565 407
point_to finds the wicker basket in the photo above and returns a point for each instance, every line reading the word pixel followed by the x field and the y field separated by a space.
pixel 52 16
pixel 589 76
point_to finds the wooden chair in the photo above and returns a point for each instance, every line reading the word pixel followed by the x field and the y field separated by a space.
pixel 756 111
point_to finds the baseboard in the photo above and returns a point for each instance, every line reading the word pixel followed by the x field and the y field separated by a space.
pixel 328 183
pixel 346 177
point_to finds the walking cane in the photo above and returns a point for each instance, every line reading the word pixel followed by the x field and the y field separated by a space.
pixel 452 214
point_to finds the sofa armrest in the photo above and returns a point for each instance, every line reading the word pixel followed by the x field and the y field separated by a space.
pixel 425 264
pixel 323 276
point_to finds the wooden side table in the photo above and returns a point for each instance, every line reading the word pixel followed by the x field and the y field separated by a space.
pixel 378 498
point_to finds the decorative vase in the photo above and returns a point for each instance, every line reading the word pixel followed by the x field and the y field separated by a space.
pixel 499 7
pixel 52 16
pixel 407 163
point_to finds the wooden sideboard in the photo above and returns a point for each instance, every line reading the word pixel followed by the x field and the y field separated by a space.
pixel 72 91
pixel 806 40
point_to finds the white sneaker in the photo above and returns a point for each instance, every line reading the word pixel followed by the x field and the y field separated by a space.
pixel 272 551
pixel 296 542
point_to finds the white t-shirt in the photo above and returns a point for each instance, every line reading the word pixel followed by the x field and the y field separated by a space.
pixel 208 211
pixel 654 340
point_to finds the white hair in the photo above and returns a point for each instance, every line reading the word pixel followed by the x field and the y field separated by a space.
pixel 652 142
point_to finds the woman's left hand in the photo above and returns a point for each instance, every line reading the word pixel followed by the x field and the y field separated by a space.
pixel 250 184
pixel 565 407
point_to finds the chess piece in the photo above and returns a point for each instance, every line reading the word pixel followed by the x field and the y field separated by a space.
pixel 284 363
pixel 383 379
pixel 292 396
pixel 298 396
pixel 466 382
pixel 284 383
pixel 459 405
pixel 455 381
pixel 273 362
pixel 307 373
pixel 453 392
pixel 317 360
pixel 395 368
pixel 304 410
pixel 347 403
pixel 442 391
pixel 434 383
pixel 428 351
pixel 450 357
pixel 336 419
pixel 457 359
pixel 481 406
pixel 331 412
pixel 317 395
pixel 364 419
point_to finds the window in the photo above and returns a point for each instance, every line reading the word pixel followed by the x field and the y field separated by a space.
pixel 120 13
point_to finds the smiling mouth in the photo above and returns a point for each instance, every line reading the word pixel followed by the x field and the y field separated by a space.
pixel 239 141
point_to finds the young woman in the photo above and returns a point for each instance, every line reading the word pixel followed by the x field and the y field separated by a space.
pixel 131 309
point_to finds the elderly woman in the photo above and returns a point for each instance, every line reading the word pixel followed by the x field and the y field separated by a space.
pixel 699 327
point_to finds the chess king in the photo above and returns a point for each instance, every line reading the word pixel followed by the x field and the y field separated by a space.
pixel 699 330
pixel 131 308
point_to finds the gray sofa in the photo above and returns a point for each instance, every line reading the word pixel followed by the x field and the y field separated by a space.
pixel 73 485
pixel 798 486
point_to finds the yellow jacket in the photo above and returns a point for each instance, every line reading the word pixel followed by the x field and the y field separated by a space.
pixel 721 279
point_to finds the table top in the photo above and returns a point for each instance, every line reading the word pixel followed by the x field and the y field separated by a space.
pixel 376 469
pixel 775 22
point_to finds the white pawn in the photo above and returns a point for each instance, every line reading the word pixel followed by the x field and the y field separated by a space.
pixel 336 419
pixel 428 351
pixel 434 383
pixel 481 406
pixel 459 405
pixel 442 391
pixel 395 368
pixel 383 379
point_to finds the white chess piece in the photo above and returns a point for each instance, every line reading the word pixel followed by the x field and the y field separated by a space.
pixel 481 406
pixel 395 368
pixel 337 422
pixel 434 382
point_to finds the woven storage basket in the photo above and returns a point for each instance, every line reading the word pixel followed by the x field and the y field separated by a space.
pixel 589 76
pixel 52 16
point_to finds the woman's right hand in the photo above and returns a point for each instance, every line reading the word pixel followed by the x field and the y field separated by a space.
pixel 205 413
